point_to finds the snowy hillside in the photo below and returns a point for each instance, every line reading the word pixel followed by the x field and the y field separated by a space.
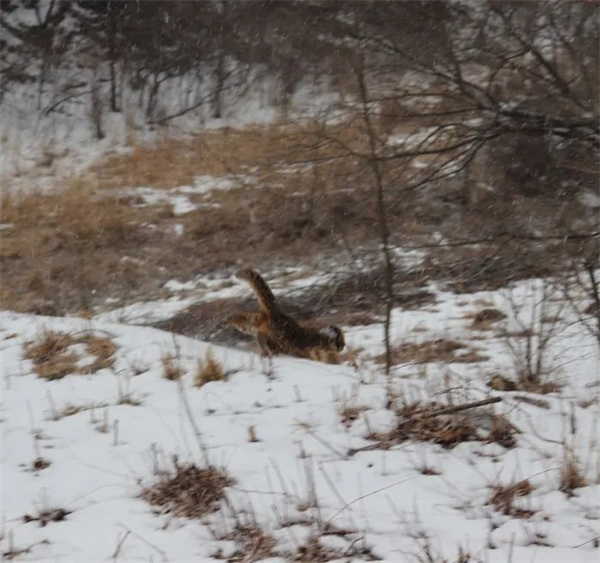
pixel 304 461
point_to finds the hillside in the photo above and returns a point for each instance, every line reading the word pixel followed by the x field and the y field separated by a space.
pixel 517 480
pixel 424 175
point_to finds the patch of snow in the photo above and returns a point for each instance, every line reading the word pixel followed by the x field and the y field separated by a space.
pixel 205 184
pixel 145 313
pixel 589 199
pixel 178 197
pixel 408 258
pixel 174 285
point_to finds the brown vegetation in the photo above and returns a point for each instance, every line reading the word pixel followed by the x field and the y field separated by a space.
pixel 103 350
pixel 51 356
pixel 40 463
pixel 172 370
pixel 251 544
pixel 209 370
pixel 188 490
pixel 53 359
pixel 314 550
pixel 68 251
pixel 440 351
pixel 170 163
pixel 62 247
pixel 503 498
pixel 350 412
pixel 447 426
pixel 485 318
pixel 571 474
pixel 44 517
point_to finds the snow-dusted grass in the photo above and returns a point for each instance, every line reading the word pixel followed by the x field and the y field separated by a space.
pixel 78 452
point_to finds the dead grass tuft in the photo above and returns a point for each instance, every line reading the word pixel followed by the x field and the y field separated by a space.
pixel 438 351
pixel 172 370
pixel 103 348
pixel 503 498
pixel 40 463
pixel 49 345
pixel 485 318
pixel 252 438
pixel 209 370
pixel 419 422
pixel 251 543
pixel 46 516
pixel 15 553
pixel 536 386
pixel 188 490
pixel 499 383
pixel 315 551
pixel 350 413
pixel 70 410
pixel 571 475
pixel 51 356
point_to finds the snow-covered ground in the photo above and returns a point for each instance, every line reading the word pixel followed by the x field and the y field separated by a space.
pixel 282 440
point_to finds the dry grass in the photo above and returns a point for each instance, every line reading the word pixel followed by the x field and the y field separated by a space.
pixel 209 370
pixel 176 162
pixel 251 544
pixel 252 437
pixel 172 369
pixel 15 553
pixel 46 516
pixel 485 318
pixel 542 387
pixel 71 410
pixel 415 423
pixel 350 412
pixel 438 351
pixel 51 356
pixel 536 386
pixel 40 463
pixel 571 475
pixel 53 359
pixel 188 491
pixel 425 469
pixel 64 248
pixel 66 252
pixel 499 383
pixel 314 550
pixel 103 348
pixel 503 498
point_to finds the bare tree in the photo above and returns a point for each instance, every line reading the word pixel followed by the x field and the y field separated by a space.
pixel 378 175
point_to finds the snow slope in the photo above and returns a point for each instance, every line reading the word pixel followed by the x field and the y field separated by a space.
pixel 297 480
